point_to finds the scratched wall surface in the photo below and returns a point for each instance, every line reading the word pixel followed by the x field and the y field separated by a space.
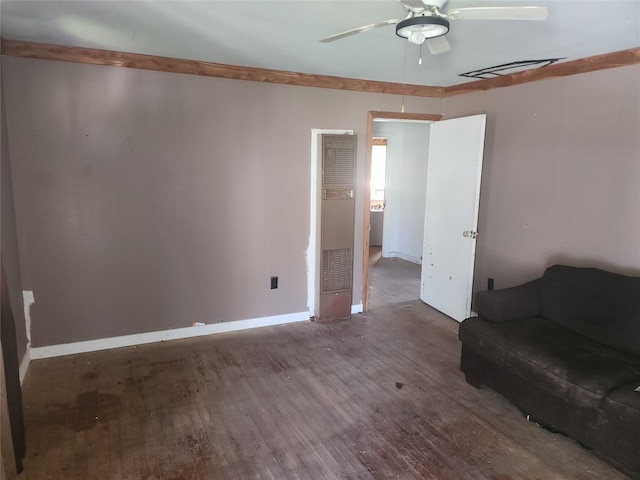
pixel 147 201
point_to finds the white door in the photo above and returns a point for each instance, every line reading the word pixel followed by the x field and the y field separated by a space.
pixel 451 218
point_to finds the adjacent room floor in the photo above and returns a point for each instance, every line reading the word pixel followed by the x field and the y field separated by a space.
pixel 375 397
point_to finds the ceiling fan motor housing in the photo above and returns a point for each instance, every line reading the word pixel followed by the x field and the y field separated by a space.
pixel 418 29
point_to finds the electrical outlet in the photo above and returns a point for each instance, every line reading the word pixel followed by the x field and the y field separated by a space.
pixel 274 283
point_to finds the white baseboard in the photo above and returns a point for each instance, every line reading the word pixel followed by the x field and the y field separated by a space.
pixel 164 335
pixel 24 364
pixel 357 308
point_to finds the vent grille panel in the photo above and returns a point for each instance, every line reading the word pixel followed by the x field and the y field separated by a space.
pixel 337 270
pixel 338 165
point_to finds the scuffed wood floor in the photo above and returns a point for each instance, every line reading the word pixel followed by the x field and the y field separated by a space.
pixel 376 397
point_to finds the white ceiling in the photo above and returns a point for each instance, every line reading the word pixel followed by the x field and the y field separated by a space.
pixel 284 35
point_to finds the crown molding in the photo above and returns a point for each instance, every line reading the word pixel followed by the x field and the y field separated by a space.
pixel 422 117
pixel 45 51
pixel 564 69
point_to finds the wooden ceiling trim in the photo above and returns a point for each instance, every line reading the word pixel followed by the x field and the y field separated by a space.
pixel 45 51
pixel 428 117
pixel 574 67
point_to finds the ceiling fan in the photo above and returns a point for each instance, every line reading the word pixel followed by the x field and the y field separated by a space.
pixel 427 23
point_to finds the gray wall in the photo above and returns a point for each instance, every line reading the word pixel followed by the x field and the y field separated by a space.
pixel 561 177
pixel 405 191
pixel 147 201
pixel 9 237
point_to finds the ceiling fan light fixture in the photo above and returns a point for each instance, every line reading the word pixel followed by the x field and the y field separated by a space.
pixel 418 29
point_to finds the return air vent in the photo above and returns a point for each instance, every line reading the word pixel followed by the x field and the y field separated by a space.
pixel 337 270
pixel 509 68
pixel 338 163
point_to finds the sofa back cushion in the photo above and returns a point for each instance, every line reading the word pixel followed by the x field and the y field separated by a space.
pixel 603 306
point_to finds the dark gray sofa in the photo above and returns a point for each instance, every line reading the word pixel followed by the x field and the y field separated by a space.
pixel 565 348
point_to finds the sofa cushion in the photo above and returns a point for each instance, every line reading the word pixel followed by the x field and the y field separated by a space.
pixel 601 305
pixel 562 362
pixel 622 406
pixel 618 436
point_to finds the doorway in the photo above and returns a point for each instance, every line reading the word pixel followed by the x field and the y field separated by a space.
pixel 449 214
pixel 397 213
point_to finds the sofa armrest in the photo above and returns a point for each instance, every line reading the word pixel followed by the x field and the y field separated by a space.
pixel 509 303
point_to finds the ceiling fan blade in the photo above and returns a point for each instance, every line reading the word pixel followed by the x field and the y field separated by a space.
pixel 438 45
pixel 363 29
pixel 499 13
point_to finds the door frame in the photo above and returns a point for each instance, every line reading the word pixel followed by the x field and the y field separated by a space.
pixel 371 117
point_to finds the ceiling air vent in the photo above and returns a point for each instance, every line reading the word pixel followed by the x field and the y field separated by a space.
pixel 509 68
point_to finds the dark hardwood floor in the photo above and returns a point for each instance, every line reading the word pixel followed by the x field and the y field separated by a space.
pixel 379 396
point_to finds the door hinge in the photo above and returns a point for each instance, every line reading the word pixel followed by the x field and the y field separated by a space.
pixel 470 234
